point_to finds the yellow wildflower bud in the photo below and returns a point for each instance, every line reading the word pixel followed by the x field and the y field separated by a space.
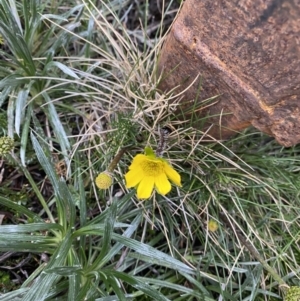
pixel 104 180
pixel 6 145
pixel 293 294
pixel 212 226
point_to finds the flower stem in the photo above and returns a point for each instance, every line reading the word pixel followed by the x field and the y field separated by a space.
pixel 117 158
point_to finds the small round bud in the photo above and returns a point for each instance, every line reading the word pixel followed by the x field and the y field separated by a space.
pixel 6 145
pixel 293 294
pixel 212 226
pixel 104 180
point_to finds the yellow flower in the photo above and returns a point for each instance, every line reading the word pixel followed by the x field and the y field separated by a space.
pixel 104 180
pixel 149 171
pixel 212 225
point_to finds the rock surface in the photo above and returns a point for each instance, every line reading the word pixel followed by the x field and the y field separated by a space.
pixel 246 52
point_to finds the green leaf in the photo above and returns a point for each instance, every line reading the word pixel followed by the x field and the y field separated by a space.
pixel 10 117
pixel 15 295
pixel 57 126
pixel 25 134
pixel 149 253
pixel 13 81
pixel 4 94
pixel 17 45
pixel 114 284
pixel 115 298
pixel 108 230
pixel 74 284
pixel 137 284
pixel 27 228
pixel 66 206
pixel 63 68
pixel 40 289
pixel 154 256
pixel 6 203
pixel 127 233
pixel 66 271
pixel 14 13
pixel 20 109
pixel 46 164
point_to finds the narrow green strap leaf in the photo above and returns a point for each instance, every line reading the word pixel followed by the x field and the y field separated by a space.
pixel 63 68
pixel 46 163
pixel 74 284
pixel 19 208
pixel 25 134
pixel 65 201
pixel 15 14
pixel 27 228
pixel 57 126
pixel 137 284
pixel 15 295
pixel 197 290
pixel 10 116
pixel 154 256
pixel 66 270
pixel 20 109
pixel 108 230
pixel 4 94
pixel 40 289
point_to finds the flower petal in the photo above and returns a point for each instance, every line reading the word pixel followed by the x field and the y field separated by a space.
pixel 133 177
pixel 145 188
pixel 137 160
pixel 162 184
pixel 172 174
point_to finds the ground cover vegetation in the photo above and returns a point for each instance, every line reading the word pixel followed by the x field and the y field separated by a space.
pixel 79 96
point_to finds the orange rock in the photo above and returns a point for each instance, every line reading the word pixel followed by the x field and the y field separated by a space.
pixel 247 53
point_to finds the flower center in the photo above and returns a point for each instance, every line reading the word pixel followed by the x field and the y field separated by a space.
pixel 152 168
